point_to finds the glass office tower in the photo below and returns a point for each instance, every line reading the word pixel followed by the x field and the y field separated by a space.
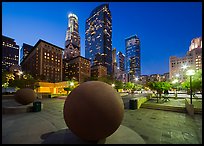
pixel 133 67
pixel 98 37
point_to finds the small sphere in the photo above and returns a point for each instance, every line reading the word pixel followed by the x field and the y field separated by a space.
pixel 25 96
pixel 93 111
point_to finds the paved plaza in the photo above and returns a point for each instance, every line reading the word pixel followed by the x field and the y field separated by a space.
pixel 154 126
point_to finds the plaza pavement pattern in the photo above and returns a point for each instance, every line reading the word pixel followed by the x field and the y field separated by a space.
pixel 154 126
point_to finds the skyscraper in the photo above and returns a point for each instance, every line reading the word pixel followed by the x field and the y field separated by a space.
pixel 10 53
pixel 98 37
pixel 24 51
pixel 72 40
pixel 120 61
pixel 114 63
pixel 133 67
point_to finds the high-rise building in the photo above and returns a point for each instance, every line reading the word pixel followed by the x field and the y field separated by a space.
pixel 72 40
pixel 44 61
pixel 120 73
pixel 98 71
pixel 133 67
pixel 120 61
pixel 24 51
pixel 98 37
pixel 114 63
pixel 193 59
pixel 78 68
pixel 10 53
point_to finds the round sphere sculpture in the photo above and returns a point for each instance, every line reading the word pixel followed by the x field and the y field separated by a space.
pixel 25 96
pixel 93 111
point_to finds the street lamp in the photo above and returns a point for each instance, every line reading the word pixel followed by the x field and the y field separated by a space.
pixel 190 73
pixel 20 73
pixel 71 84
pixel 136 79
pixel 174 82
pixel 113 85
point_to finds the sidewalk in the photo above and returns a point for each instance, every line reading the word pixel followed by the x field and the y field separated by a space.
pixel 154 126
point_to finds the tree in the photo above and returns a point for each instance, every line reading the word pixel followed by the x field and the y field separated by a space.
pixel 137 87
pixel 129 86
pixel 196 82
pixel 118 85
pixel 71 84
pixel 26 81
pixel 159 87
pixel 68 89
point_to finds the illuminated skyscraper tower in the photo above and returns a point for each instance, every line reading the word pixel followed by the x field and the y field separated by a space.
pixel 72 40
pixel 98 37
pixel 133 67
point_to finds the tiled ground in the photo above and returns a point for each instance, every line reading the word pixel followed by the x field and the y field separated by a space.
pixel 155 126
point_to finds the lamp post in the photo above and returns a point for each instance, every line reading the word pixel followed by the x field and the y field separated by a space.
pixel 190 73
pixel 174 82
pixel 20 73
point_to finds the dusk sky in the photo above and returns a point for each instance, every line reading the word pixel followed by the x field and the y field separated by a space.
pixel 164 28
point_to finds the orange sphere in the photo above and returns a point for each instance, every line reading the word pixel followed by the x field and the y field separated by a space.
pixel 25 96
pixel 94 110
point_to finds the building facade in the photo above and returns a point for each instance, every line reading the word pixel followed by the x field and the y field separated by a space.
pixel 98 37
pixel 10 53
pixel 133 65
pixel 24 51
pixel 98 71
pixel 144 79
pixel 120 61
pixel 72 40
pixel 78 68
pixel 44 61
pixel 114 63
pixel 193 60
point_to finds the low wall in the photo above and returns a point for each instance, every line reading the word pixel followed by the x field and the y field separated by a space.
pixel 141 100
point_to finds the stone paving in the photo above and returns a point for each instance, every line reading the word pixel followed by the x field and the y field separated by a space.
pixel 154 126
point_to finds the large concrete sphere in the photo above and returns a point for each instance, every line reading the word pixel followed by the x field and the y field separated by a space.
pixel 25 96
pixel 94 110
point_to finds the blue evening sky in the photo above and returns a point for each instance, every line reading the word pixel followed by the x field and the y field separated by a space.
pixel 164 28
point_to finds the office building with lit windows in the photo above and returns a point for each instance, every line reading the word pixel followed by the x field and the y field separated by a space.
pixel 114 63
pixel 193 59
pixel 44 61
pixel 10 53
pixel 72 40
pixel 132 48
pixel 24 51
pixel 98 37
pixel 78 68
pixel 120 59
pixel 98 71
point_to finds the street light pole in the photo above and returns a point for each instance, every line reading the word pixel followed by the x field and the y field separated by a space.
pixel 190 73
pixel 191 88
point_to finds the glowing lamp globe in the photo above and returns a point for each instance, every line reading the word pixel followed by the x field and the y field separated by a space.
pixel 25 96
pixel 93 111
